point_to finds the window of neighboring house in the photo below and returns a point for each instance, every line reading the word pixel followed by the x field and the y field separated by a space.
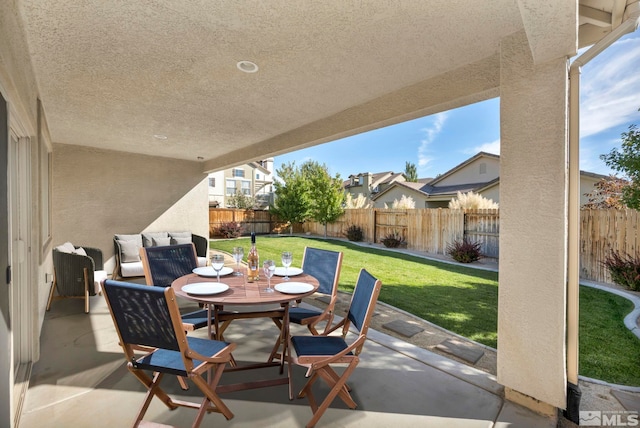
pixel 238 172
pixel 212 182
pixel 231 187
pixel 483 168
pixel 361 180
pixel 246 188
pixel 376 189
pixel 257 176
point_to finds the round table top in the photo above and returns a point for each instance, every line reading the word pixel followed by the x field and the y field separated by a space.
pixel 241 292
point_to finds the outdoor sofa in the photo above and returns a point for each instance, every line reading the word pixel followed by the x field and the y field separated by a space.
pixel 127 249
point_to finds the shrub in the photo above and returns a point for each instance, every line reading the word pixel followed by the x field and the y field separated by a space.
pixel 471 201
pixel 354 233
pixel 359 201
pixel 232 229
pixel 393 240
pixel 624 269
pixel 464 251
pixel 405 203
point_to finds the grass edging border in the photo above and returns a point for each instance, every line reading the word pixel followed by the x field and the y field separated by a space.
pixel 630 321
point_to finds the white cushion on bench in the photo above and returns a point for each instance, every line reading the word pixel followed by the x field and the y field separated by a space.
pixel 130 269
pixel 98 277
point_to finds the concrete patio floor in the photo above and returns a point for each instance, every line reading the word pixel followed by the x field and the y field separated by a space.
pixel 81 381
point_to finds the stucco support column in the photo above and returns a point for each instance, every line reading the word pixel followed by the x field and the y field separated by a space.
pixel 533 227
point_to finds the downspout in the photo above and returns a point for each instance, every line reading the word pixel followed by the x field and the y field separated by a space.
pixel 629 25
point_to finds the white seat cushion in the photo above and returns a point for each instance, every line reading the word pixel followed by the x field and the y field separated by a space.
pixel 98 277
pixel 131 269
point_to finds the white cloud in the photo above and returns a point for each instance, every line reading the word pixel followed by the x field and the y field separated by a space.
pixel 610 88
pixel 492 147
pixel 431 133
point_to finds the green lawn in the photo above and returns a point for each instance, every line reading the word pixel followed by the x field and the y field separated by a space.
pixel 465 300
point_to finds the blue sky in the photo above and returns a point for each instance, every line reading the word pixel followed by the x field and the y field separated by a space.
pixel 610 98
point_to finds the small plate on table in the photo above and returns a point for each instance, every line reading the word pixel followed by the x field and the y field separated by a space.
pixel 293 287
pixel 293 271
pixel 205 288
pixel 209 272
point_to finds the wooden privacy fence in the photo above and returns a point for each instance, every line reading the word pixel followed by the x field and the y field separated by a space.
pixel 604 231
pixel 257 221
pixel 483 226
pixel 426 229
pixel 432 230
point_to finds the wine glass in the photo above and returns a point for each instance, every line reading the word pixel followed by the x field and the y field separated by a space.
pixel 287 258
pixel 269 267
pixel 217 262
pixel 238 254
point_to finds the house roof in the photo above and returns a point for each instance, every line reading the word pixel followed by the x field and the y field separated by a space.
pixel 416 187
pixel 431 190
pixel 460 166
pixel 377 178
pixel 166 78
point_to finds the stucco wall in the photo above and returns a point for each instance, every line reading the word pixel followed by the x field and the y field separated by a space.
pixel 97 193
pixel 533 266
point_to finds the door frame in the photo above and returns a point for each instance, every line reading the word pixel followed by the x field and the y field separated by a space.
pixel 23 296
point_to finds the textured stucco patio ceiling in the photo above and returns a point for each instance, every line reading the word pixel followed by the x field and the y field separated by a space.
pixel 113 75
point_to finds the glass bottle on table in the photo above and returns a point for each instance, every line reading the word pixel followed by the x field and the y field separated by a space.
pixel 253 261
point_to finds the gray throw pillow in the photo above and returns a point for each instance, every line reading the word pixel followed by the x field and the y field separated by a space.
pixel 129 251
pixel 180 240
pixel 137 238
pixel 147 237
pixel 161 241
pixel 180 235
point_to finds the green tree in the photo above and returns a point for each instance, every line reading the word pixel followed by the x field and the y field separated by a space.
pixel 607 193
pixel 292 202
pixel 626 160
pixel 241 201
pixel 327 196
pixel 410 172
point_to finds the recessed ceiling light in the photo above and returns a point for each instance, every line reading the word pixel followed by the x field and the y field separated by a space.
pixel 160 136
pixel 247 66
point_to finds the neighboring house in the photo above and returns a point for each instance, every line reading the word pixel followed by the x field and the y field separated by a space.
pixel 369 184
pixel 480 174
pixel 254 179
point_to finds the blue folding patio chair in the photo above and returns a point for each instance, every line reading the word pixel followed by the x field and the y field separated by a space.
pixel 164 264
pixel 318 353
pixel 325 266
pixel 153 339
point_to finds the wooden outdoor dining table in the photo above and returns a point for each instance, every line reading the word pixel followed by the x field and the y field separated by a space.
pixel 248 294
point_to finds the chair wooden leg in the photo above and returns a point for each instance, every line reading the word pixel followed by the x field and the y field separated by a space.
pixel 209 390
pixel 337 389
pixel 86 291
pixel 153 388
pixel 338 384
pixel 54 284
pixel 183 383
pixel 336 376
pixel 149 384
pixel 307 386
